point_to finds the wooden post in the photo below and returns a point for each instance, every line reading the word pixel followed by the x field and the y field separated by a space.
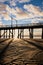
pixel 12 33
pixel 31 33
pixel 6 33
pixel 18 33
pixel 22 33
pixel 0 33
pixel 42 33
pixel 9 33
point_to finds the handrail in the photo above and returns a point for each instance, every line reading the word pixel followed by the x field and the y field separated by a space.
pixel 20 25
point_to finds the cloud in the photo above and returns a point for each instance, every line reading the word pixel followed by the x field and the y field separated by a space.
pixel 20 14
pixel 5 16
pixel 11 11
pixel 4 13
pixel 23 1
pixel 3 0
pixel 34 21
pixel 30 11
pixel 20 11
pixel 12 3
pixel 1 23
pixel 17 12
pixel 1 20
pixel 34 12
pixel 2 7
pixel 20 1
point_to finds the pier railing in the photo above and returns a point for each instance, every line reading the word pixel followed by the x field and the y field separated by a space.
pixel 22 25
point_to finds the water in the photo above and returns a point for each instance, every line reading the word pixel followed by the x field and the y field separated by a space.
pixel 37 33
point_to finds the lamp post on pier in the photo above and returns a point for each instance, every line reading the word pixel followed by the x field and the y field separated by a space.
pixel 11 21
pixel 16 21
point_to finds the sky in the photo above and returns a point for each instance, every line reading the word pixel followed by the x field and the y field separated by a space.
pixel 24 11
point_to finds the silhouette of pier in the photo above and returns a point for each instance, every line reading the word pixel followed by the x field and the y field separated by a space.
pixel 20 28
pixel 21 51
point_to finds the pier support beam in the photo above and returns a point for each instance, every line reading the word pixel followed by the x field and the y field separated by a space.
pixel 0 33
pixel 18 33
pixel 6 33
pixel 42 33
pixel 12 33
pixel 31 33
pixel 9 33
pixel 22 33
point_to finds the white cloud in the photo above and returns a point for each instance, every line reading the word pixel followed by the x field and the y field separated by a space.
pixel 3 0
pixel 4 13
pixel 20 1
pixel 0 23
pixel 34 21
pixel 2 7
pixel 23 1
pixel 12 3
pixel 18 12
pixel 33 11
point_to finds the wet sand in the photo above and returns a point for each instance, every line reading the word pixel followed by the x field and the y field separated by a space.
pixel 21 52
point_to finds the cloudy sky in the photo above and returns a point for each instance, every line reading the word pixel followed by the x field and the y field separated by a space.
pixel 24 11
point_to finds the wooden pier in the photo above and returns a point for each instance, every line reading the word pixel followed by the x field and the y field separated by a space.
pixel 21 29
pixel 20 51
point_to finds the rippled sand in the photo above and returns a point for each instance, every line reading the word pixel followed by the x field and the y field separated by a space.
pixel 21 52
